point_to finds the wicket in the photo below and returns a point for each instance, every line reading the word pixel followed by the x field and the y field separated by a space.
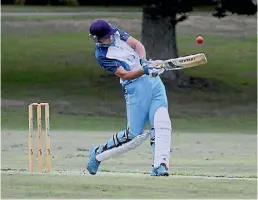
pixel 39 138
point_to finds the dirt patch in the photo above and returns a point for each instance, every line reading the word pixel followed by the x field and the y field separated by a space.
pixel 231 25
pixel 61 26
pixel 210 153
pixel 10 102
pixel 124 174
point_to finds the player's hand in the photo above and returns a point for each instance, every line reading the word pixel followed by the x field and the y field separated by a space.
pixel 150 68
pixel 157 64
pixel 145 62
pixel 153 72
pixel 152 63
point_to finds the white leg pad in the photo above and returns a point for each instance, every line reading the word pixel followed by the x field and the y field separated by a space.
pixel 163 131
pixel 116 151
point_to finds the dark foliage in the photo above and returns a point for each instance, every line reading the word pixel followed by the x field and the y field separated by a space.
pixel 166 8
pixel 111 3
pixel 241 7
pixel 38 2
pixel 163 8
pixel 6 2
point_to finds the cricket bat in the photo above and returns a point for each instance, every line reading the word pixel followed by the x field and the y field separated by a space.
pixel 181 62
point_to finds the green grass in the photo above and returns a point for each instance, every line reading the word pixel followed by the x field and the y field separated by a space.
pixel 220 155
pixel 47 186
pixel 227 62
pixel 61 69
pixel 16 118
pixel 57 56
pixel 203 154
pixel 44 48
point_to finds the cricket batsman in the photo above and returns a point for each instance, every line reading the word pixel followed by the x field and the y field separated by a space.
pixel 146 101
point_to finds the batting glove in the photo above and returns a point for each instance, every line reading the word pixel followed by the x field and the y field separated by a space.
pixel 143 61
pixel 153 72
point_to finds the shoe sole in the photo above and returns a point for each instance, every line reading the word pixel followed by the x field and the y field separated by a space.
pixel 165 174
pixel 92 173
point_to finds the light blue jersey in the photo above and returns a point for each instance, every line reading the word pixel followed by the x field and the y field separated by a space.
pixel 146 101
pixel 143 95
pixel 119 53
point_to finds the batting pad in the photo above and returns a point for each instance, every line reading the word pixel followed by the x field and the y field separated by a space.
pixel 162 126
pixel 116 151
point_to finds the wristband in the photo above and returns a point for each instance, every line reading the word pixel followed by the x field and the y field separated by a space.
pixel 146 70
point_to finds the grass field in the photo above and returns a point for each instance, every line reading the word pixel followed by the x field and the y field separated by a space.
pixel 66 120
pixel 204 155
pixel 114 187
pixel 76 90
pixel 214 129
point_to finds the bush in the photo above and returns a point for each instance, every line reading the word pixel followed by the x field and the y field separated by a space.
pixel 20 2
pixel 71 2
pixel 6 2
pixel 63 2
pixel 38 2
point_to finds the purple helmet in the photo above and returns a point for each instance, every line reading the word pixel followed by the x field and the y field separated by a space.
pixel 101 29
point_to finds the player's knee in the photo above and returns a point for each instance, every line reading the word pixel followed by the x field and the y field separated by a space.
pixel 121 138
pixel 132 134
pixel 124 136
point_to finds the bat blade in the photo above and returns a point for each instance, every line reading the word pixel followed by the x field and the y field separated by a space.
pixel 188 61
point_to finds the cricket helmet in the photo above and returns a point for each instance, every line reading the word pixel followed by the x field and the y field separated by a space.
pixel 101 29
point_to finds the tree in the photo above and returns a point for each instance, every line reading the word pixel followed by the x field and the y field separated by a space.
pixel 160 18
pixel 159 32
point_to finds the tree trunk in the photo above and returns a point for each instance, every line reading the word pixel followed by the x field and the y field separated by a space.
pixel 159 39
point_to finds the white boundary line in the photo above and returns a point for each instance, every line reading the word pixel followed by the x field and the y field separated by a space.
pixel 125 174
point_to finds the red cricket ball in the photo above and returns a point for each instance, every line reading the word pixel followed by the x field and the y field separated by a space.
pixel 199 39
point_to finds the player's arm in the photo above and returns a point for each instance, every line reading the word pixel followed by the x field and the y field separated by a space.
pixel 137 45
pixel 134 43
pixel 128 75
pixel 115 67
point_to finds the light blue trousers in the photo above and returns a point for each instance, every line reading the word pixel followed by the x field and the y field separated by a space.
pixel 143 97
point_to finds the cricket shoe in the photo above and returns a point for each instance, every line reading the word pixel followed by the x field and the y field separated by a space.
pixel 160 171
pixel 93 163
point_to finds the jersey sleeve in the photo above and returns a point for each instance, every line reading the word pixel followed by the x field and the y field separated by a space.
pixel 108 64
pixel 123 35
